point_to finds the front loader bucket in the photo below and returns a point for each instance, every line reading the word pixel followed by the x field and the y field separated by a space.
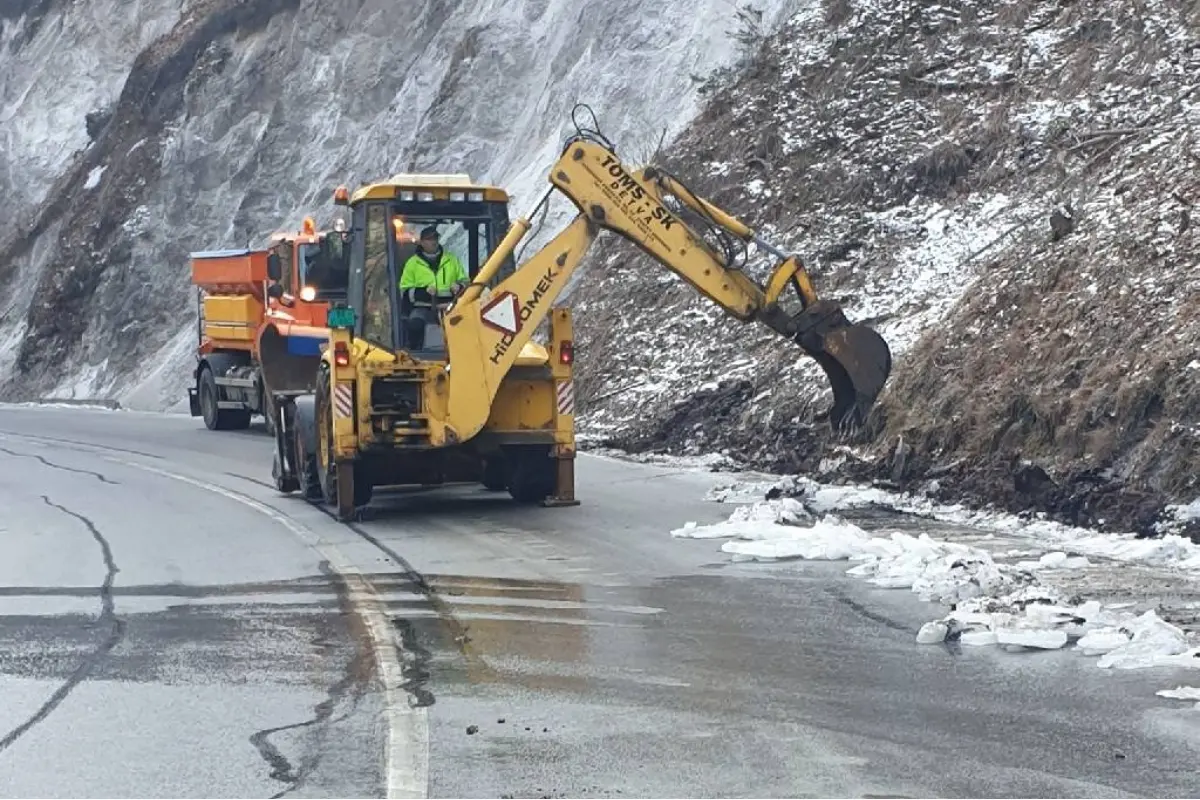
pixel 282 370
pixel 855 358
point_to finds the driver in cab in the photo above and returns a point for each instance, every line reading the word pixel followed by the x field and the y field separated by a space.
pixel 431 276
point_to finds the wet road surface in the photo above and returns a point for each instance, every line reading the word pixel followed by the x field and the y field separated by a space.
pixel 549 652
pixel 159 640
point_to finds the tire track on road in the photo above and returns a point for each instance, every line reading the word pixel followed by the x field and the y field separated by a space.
pixel 107 614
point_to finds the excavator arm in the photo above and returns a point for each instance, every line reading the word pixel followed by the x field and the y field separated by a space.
pixel 485 333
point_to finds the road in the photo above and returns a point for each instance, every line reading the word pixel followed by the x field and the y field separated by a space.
pixel 173 627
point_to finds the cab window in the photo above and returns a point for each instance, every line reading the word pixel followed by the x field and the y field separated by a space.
pixel 377 295
pixel 284 250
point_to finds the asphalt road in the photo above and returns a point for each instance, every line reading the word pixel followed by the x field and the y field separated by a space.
pixel 171 626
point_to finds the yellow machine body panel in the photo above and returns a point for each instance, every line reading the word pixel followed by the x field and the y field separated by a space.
pixel 523 405
pixel 438 187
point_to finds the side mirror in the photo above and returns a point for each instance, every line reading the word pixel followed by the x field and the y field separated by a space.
pixel 275 290
pixel 274 267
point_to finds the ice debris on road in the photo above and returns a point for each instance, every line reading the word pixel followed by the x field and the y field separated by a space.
pixel 993 604
pixel 1181 693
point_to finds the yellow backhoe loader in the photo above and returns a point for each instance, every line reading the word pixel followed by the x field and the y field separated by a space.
pixel 479 401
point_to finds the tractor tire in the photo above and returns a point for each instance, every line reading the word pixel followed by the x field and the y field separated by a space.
pixel 304 445
pixel 532 475
pixel 216 418
pixel 326 468
pixel 495 474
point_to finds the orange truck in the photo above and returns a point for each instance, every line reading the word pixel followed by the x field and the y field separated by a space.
pixel 261 322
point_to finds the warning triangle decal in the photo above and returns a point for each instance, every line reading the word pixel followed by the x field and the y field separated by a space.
pixel 503 313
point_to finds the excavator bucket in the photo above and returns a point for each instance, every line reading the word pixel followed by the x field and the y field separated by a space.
pixel 855 358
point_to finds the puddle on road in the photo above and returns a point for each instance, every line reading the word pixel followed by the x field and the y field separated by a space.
pixel 290 632
pixel 545 635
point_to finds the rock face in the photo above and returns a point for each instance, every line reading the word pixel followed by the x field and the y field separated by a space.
pixel 1005 190
pixel 136 132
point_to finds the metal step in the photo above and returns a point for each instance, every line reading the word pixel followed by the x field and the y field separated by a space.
pixel 239 383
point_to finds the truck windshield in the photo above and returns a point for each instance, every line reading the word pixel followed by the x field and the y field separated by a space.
pixel 326 272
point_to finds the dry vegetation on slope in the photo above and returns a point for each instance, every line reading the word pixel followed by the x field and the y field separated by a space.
pixel 1005 189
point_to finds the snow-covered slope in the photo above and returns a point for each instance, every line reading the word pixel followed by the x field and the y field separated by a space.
pixel 1005 190
pixel 220 121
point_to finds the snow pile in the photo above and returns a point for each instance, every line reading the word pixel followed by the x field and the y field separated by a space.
pixel 747 522
pixel 1170 550
pixel 992 603
pixel 1180 517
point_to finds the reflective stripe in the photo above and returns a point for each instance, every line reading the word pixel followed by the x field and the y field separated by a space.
pixel 343 400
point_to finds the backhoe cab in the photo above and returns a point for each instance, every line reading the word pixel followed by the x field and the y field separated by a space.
pixel 379 414
pixel 478 400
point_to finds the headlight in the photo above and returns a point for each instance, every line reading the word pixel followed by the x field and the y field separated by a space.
pixel 308 294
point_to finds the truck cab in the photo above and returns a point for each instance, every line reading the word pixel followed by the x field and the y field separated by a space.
pixel 262 321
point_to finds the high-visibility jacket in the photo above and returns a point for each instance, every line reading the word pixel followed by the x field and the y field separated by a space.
pixel 418 274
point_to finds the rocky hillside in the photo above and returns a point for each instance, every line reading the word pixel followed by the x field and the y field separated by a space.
pixel 135 131
pixel 1005 188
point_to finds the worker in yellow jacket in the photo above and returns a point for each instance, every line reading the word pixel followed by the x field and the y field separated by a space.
pixel 431 276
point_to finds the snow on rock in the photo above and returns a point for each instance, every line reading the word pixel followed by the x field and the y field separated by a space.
pixel 978 194
pixel 234 146
pixel 93 178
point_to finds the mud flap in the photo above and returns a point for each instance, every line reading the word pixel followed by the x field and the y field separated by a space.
pixel 347 505
pixel 856 360
pixel 564 482
pixel 194 401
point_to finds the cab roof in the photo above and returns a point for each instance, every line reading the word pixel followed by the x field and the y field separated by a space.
pixel 439 185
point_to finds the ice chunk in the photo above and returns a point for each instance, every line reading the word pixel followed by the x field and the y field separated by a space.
pixel 829 539
pixel 766 520
pixel 932 632
pixel 1180 693
pixel 978 637
pixel 1101 640
pixel 1031 638
pixel 1154 642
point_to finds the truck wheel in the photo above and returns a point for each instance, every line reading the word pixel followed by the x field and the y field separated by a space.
pixel 532 476
pixel 216 418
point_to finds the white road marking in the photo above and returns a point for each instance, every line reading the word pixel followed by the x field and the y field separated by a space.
pixel 406 765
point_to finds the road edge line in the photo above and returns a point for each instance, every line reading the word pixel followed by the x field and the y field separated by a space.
pixel 407 759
